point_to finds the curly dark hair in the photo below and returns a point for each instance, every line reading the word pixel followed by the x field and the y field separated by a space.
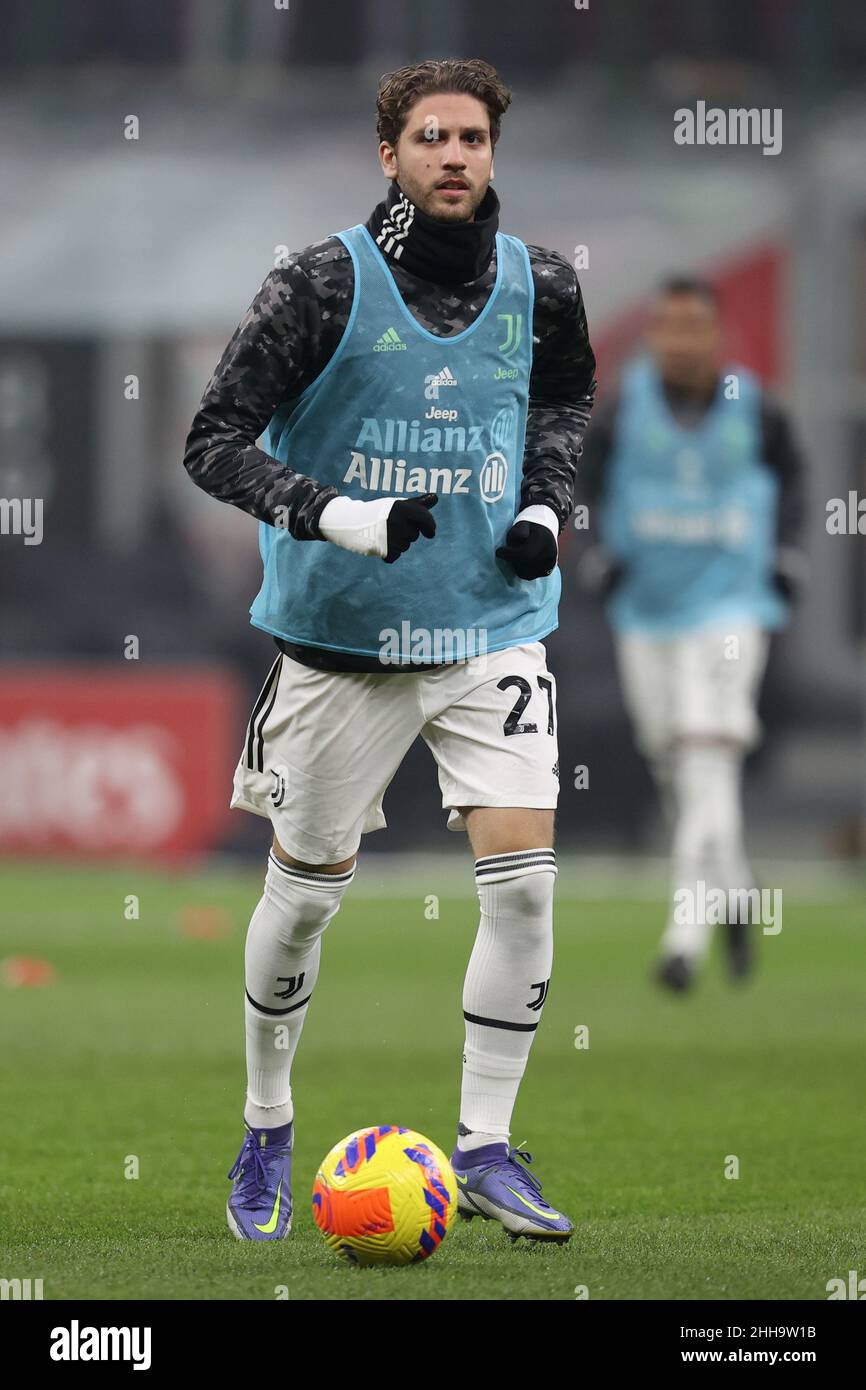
pixel 399 90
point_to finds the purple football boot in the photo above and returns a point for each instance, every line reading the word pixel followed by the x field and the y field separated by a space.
pixel 260 1203
pixel 491 1183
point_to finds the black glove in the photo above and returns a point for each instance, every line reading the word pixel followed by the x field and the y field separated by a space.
pixel 599 573
pixel 407 520
pixel 530 549
pixel 786 587
pixel 790 573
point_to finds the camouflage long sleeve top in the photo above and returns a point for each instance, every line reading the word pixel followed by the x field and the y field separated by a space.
pixel 292 329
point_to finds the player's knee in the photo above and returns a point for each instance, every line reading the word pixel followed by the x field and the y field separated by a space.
pixel 525 899
pixel 306 899
pixel 283 857
pixel 691 838
pixel 532 893
pixel 709 840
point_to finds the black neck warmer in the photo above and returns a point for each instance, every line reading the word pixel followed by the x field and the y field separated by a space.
pixel 446 253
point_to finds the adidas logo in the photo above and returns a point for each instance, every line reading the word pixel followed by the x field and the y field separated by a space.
pixel 390 341
pixel 443 378
pixel 432 383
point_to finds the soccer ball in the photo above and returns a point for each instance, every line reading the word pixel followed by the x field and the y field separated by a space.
pixel 385 1196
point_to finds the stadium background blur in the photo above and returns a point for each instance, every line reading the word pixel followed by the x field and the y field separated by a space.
pixel 139 256
pixel 127 665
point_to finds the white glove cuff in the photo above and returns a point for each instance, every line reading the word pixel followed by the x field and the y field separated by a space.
pixel 361 527
pixel 542 515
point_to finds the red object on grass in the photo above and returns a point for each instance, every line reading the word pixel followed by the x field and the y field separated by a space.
pixel 204 922
pixel 28 972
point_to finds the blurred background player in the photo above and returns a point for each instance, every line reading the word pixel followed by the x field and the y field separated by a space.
pixel 694 488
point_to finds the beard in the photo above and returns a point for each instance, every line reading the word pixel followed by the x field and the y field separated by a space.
pixel 429 203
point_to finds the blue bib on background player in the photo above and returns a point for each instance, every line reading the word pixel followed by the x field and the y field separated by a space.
pixel 399 412
pixel 690 512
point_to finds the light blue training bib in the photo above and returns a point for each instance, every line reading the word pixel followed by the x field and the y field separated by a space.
pixel 399 412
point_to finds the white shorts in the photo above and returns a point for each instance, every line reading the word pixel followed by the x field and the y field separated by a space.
pixel 700 683
pixel 322 747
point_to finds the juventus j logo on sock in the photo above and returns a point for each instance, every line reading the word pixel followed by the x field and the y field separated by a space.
pixel 293 982
pixel 542 995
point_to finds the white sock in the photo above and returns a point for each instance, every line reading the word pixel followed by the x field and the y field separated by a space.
pixel 708 841
pixel 281 967
pixel 506 984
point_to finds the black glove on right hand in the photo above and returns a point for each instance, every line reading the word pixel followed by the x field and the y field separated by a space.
pixel 407 520
pixel 790 573
pixel 530 549
pixel 599 573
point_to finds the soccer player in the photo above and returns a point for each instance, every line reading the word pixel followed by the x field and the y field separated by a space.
pixel 695 484
pixel 419 360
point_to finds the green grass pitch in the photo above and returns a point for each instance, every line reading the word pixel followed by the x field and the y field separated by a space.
pixel 136 1049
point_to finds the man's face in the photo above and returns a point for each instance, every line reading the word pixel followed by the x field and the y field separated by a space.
pixel 443 160
pixel 684 337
